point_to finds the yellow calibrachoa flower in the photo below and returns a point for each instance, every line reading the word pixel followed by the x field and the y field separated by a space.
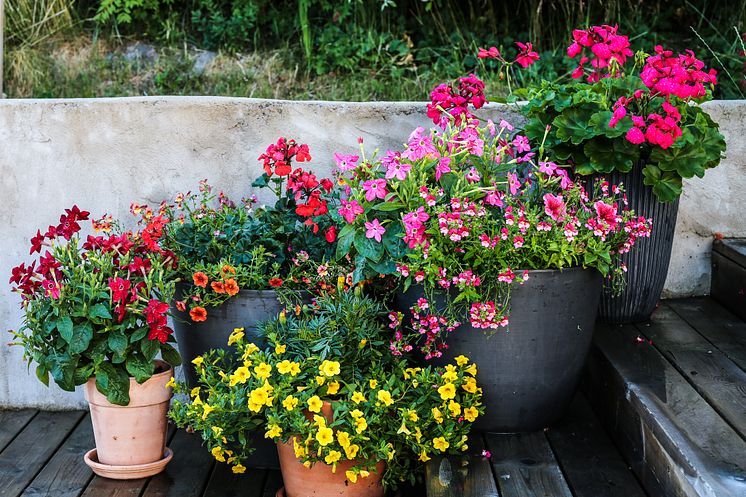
pixel 356 413
pixel 280 349
pixel 283 367
pixel 417 434
pixel 320 380
pixel 409 372
pixel 217 453
pixel 343 438
pixel 300 451
pixel 360 425
pixel 290 402
pixel 294 369
pixel 437 415
pixel 385 397
pixel 250 349
pixel 470 385
pixel 447 391
pixel 441 444
pixel 197 401
pixel 274 431
pixel 424 457
pixel 329 368
pixel 413 415
pixel 470 414
pixel 240 376
pixel 217 431
pixel 324 436
pixel 194 392
pixel 332 388
pixel 403 429
pixel 171 383
pixel 238 468
pixel 472 369
pixel 314 404
pixel 206 409
pixel 351 451
pixel 358 397
pixel 259 397
pixel 263 370
pixel 198 361
pixel 332 457
pixel 462 360
pixel 362 343
pixel 373 383
pixel 454 408
pixel 449 376
pixel 351 475
pixel 235 336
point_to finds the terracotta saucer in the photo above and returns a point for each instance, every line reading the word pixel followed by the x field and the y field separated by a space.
pixel 280 492
pixel 126 472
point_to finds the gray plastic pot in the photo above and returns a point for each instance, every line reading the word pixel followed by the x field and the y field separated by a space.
pixel 244 310
pixel 530 371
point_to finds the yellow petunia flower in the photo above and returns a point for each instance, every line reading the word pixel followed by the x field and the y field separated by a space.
pixel 329 368
pixel 263 370
pixel 290 403
pixel 358 397
pixel 441 444
pixel 385 397
pixel 324 436
pixel 462 360
pixel 314 404
pixel 238 468
pixel 332 457
pixel 447 391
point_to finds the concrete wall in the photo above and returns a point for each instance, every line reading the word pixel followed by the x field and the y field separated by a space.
pixel 103 154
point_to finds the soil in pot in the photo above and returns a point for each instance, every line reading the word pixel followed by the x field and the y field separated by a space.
pixel 134 434
pixel 529 371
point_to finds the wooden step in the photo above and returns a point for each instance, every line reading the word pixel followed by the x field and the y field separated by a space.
pixel 674 403
pixel 728 284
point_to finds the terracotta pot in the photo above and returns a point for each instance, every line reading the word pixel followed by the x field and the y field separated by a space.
pixel 319 480
pixel 134 434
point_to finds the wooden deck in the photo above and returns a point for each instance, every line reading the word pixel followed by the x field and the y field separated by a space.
pixel 663 413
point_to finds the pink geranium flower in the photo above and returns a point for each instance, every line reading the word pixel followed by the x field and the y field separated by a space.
pixel 375 188
pixel 526 56
pixel 374 230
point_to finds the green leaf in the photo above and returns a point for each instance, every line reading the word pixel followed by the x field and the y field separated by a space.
pixel 394 243
pixel 99 311
pixel 344 240
pixel 65 327
pixel 140 368
pixel 117 342
pixel 607 155
pixel 388 206
pixel 83 374
pixel 170 355
pixel 42 374
pixel 261 181
pixel 114 383
pixel 572 125
pixel 600 121
pixel 138 334
pixel 666 185
pixel 368 247
pixel 386 266
pixel 62 370
pixel 149 349
pixel 82 334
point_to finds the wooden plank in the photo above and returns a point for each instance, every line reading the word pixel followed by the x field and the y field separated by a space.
pixel 714 322
pixel 121 488
pixel 461 476
pixel 524 466
pixel 732 248
pixel 187 473
pixel 728 284
pixel 31 449
pixel 272 483
pixel 223 483
pixel 714 376
pixel 590 462
pixel 11 424
pixel 66 475
pixel 676 443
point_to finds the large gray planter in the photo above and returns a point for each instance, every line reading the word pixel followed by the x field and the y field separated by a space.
pixel 530 371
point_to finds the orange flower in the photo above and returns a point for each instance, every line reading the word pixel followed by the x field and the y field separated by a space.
pixel 217 287
pixel 231 287
pixel 275 282
pixel 200 279
pixel 228 269
pixel 198 314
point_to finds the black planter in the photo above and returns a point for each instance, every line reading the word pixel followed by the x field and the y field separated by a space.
pixel 244 310
pixel 529 372
pixel 647 263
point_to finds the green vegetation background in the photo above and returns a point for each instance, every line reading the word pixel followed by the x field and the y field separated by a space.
pixel 331 50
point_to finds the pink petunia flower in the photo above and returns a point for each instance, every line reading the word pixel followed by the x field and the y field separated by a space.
pixel 554 206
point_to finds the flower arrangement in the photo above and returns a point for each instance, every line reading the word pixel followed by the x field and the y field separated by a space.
pixel 616 117
pixel 98 307
pixel 327 385
pixel 464 213
pixel 225 246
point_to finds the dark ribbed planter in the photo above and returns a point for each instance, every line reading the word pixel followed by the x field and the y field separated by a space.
pixel 647 263
pixel 529 372
pixel 244 310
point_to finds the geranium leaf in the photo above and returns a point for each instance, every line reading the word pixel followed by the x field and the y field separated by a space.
pixel 572 125
pixel 608 155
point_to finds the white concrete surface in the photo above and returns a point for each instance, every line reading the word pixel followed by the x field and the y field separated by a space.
pixel 103 154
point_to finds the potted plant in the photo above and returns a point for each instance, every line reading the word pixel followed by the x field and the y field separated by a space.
pixel 488 239
pixel 348 417
pixel 95 314
pixel 636 120
pixel 240 263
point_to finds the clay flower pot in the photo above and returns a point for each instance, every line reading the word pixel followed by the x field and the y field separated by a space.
pixel 319 480
pixel 133 435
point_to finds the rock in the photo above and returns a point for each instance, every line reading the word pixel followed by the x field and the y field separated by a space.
pixel 140 52
pixel 201 61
